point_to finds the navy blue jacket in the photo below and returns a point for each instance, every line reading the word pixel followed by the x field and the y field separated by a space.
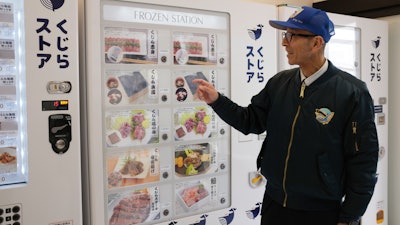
pixel 321 144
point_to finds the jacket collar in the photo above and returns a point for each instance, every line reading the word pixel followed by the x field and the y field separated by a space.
pixel 329 73
pixel 309 80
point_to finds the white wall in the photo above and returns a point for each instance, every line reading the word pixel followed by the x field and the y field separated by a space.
pixel 394 121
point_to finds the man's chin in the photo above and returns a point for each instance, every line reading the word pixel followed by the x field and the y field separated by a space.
pixel 290 62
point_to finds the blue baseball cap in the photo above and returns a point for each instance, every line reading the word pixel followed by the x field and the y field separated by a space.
pixel 307 18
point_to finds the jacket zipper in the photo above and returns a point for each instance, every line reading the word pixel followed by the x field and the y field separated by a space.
pixel 303 87
pixel 354 126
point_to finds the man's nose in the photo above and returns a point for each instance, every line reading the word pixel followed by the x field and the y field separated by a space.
pixel 284 42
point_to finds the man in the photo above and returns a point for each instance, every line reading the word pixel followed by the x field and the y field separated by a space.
pixel 321 150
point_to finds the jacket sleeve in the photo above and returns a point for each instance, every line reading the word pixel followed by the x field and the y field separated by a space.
pixel 361 157
pixel 250 119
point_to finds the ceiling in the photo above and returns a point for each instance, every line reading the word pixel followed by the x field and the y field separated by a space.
pixel 361 8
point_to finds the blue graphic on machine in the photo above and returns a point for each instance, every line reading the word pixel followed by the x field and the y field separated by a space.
pixel 253 213
pixel 255 33
pixel 52 4
pixel 225 220
pixel 202 220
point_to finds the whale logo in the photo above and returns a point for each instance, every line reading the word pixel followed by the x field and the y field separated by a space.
pixel 52 4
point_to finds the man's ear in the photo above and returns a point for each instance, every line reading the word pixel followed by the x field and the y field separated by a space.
pixel 318 41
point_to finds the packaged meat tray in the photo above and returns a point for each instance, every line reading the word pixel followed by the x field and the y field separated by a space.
pixel 131 127
pixel 131 87
pixel 193 197
pixel 133 167
pixel 134 207
pixel 8 160
pixel 194 49
pixel 186 90
pixel 191 160
pixel 130 46
pixel 193 123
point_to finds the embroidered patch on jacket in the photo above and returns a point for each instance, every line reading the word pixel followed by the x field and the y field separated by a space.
pixel 323 115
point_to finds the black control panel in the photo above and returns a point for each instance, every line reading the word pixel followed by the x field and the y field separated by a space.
pixel 11 214
pixel 60 132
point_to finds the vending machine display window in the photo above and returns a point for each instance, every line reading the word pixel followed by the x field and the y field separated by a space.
pixel 13 146
pixel 163 148
pixel 344 49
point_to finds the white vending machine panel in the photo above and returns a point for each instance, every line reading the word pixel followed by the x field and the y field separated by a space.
pixel 144 113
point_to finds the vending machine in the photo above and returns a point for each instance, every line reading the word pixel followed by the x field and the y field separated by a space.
pixel 371 47
pixel 360 47
pixel 40 157
pixel 156 153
